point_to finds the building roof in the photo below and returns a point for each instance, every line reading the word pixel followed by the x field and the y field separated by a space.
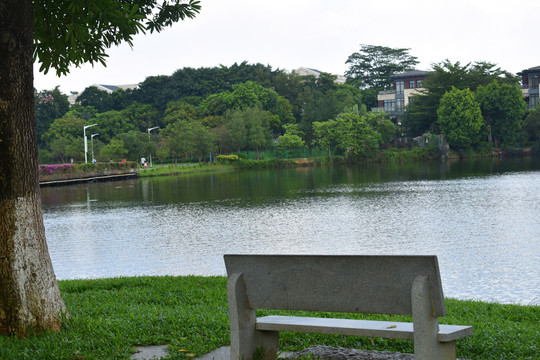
pixel 340 79
pixel 111 88
pixel 410 74
pixel 529 70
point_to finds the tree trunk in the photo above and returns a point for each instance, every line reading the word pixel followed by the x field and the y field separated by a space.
pixel 29 296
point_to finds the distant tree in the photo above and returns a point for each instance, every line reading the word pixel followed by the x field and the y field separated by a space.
pixel 259 135
pixel 185 139
pixel 322 100
pixel 68 126
pixel 190 83
pixel 177 142
pixel 532 125
pixel 460 118
pixel 58 147
pixel 217 104
pixel 356 137
pixel 503 109
pixel 291 139
pixel 121 99
pixel 248 95
pixel 49 105
pixel 370 97
pixel 236 135
pixel 372 66
pixel 137 144
pixel 101 100
pixel 113 151
pixel 75 149
pixel 110 124
pixel 326 135
pixel 349 132
pixel 203 141
pixel 142 116
pixel 221 139
pixel 180 111
pixel 289 86
pixel 384 126
pixel 82 112
pixel 65 137
pixel 213 121
pixel 421 115
pixel 157 91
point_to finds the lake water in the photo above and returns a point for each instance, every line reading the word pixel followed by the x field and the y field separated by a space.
pixel 480 217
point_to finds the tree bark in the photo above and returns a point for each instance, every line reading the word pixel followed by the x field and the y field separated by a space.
pixel 30 299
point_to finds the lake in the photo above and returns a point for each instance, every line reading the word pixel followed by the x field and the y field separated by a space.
pixel 480 217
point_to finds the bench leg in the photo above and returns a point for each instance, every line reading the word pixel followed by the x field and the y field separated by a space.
pixel 447 351
pixel 426 326
pixel 247 343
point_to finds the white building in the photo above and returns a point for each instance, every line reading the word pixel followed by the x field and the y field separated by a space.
pixel 308 71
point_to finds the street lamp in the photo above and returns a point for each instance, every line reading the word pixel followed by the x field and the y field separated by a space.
pixel 150 129
pixel 86 142
pixel 92 140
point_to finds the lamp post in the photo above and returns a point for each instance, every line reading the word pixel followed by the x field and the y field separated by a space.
pixel 92 141
pixel 86 142
pixel 150 129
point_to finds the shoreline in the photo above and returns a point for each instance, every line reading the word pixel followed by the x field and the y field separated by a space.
pixel 69 177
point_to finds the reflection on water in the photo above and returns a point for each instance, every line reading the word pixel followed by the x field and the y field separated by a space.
pixel 481 218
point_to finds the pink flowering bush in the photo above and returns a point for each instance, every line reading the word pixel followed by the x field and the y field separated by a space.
pixel 56 169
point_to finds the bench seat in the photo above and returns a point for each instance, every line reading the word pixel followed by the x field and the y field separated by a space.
pixel 352 327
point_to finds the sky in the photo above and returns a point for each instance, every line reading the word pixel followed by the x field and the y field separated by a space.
pixel 320 34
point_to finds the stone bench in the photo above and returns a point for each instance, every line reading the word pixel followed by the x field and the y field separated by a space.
pixel 400 285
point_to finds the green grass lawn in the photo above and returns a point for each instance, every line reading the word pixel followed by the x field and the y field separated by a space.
pixel 110 316
pixel 183 169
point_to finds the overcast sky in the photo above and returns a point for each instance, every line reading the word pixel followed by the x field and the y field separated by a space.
pixel 321 34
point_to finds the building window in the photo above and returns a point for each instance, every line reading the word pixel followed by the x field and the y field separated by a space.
pixel 400 105
pixel 411 84
pixel 533 81
pixel 400 84
pixel 533 101
pixel 389 106
pixel 418 83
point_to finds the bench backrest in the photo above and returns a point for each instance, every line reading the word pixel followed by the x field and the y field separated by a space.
pixel 336 283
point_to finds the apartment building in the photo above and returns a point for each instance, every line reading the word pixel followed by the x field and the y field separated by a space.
pixel 530 86
pixel 405 86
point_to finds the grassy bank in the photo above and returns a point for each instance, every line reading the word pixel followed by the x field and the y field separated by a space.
pixel 110 316
pixel 184 169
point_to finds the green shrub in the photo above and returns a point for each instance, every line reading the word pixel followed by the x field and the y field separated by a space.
pixel 485 148
pixel 265 164
pixel 227 159
pixel 105 166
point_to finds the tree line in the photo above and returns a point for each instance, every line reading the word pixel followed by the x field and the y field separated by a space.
pixel 198 111
pixel 252 107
